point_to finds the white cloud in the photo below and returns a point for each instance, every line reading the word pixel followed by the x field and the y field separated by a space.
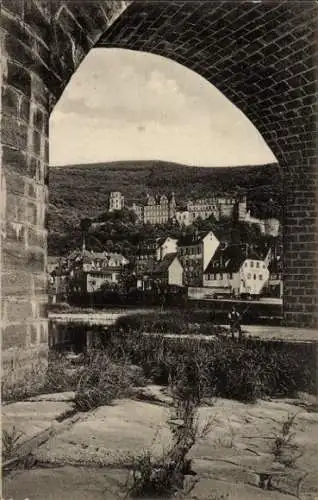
pixel 128 105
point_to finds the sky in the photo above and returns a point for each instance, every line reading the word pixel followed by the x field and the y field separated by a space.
pixel 127 105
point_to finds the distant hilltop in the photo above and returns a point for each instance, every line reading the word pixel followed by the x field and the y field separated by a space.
pixel 78 191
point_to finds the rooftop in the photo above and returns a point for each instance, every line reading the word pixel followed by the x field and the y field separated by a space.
pixel 230 258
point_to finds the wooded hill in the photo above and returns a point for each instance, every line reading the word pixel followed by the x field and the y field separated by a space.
pixel 78 191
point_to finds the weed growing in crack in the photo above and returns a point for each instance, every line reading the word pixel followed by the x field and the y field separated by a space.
pixel 10 439
pixel 164 476
pixel 284 448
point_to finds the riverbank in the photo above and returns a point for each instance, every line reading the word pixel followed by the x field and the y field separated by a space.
pixel 108 318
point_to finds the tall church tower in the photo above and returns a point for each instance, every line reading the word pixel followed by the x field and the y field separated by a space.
pixel 172 206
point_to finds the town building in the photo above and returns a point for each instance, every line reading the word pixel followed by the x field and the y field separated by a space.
pixel 52 263
pixel 116 201
pixel 152 251
pixel 274 287
pixel 237 270
pixel 166 246
pixel 95 270
pixel 195 251
pixel 184 218
pixel 84 271
pixel 58 285
pixel 163 273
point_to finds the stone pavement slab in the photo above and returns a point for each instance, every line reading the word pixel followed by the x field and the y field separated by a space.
pixel 65 483
pixel 67 396
pixel 110 435
pixel 229 458
pixel 33 417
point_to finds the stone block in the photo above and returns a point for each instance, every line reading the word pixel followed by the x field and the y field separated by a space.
pixel 15 231
pixel 39 21
pixel 10 101
pixel 25 109
pixel 36 143
pixel 40 283
pixel 19 78
pixel 18 311
pixel 19 52
pixel 91 20
pixel 14 336
pixel 40 93
pixel 14 133
pixel 44 333
pixel 69 24
pixel 38 119
pixel 15 281
pixel 36 237
pixel 34 333
pixel 14 161
pixel 15 28
pixel 30 184
pixel 37 259
pixel 15 208
pixel 31 214
pixel 16 256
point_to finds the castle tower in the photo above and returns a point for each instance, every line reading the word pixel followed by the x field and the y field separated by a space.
pixel 242 208
pixel 116 201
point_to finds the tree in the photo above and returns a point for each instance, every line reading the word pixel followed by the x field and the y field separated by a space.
pixel 85 225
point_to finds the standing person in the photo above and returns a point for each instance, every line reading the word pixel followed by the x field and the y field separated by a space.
pixel 235 322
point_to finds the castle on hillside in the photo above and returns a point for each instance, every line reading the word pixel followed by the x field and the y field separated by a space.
pixel 116 201
pixel 159 209
pixel 220 207
pixel 156 210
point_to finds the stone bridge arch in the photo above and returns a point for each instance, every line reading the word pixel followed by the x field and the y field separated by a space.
pixel 262 55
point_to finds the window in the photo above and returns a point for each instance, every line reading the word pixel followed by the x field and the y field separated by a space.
pixel 263 266
pixel 257 264
pixel 254 276
pixel 260 276
pixel 246 264
pixel 252 264
pixel 249 276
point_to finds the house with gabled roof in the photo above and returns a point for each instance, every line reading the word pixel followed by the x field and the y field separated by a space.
pixel 195 251
pixel 238 269
pixel 166 272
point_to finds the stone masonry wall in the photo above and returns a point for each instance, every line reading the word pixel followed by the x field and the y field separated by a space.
pixel 42 43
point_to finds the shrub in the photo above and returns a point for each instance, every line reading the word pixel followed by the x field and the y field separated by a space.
pixel 151 477
pixel 102 380
pixel 60 376
pixel 223 367
pixel 23 373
